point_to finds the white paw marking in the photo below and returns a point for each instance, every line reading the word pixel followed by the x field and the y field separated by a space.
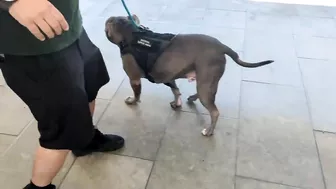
pixel 204 132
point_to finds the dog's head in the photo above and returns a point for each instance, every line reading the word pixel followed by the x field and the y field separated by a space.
pixel 119 28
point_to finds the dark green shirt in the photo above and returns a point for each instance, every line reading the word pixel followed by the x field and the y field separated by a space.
pixel 15 39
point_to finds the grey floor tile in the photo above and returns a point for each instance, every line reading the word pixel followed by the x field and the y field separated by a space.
pixel 275 24
pixel 243 183
pixel 318 77
pixel 13 179
pixel 144 10
pixel 115 9
pixel 264 8
pixel 102 171
pixel 5 142
pixel 320 27
pixel 190 4
pixel 18 160
pixel 310 47
pixel 280 48
pixel 95 9
pixel 231 5
pixel 276 141
pixel 142 125
pixel 85 5
pixel 326 142
pixel 332 11
pixel 100 108
pixel 186 159
pixel 14 114
pixel 313 11
pixel 228 94
pixel 180 15
pixel 221 18
pixel 143 3
pixel 234 38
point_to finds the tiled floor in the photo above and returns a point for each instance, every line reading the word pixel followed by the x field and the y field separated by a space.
pixel 277 126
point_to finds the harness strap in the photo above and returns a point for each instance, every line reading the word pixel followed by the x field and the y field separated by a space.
pixel 146 47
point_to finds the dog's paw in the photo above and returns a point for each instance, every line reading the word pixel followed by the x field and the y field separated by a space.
pixel 174 105
pixel 131 100
pixel 207 132
pixel 192 98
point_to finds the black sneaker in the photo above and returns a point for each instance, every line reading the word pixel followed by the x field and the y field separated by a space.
pixel 101 143
pixel 32 186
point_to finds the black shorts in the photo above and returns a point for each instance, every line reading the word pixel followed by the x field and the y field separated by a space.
pixel 57 87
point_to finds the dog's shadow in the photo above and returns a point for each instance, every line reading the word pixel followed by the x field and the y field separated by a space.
pixel 192 110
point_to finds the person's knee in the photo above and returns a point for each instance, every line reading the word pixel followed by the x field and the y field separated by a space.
pixel 67 124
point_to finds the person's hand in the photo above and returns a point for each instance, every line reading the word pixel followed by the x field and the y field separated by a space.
pixel 37 16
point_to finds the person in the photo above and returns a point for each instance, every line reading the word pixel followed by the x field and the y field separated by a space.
pixel 51 64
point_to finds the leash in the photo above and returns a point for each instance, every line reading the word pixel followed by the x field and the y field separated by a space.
pixel 129 14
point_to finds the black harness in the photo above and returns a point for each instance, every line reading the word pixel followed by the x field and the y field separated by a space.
pixel 146 47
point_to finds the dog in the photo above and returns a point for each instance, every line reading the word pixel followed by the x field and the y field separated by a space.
pixel 190 56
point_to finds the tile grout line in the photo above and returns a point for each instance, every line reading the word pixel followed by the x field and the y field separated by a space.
pixel 269 83
pixel 239 111
pixel 66 173
pixel 17 137
pixel 237 137
pixel 159 147
pixel 321 131
pixel 109 101
pixel 307 58
pixel 129 156
pixel 311 121
pixel 227 10
pixel 270 182
pixel 206 114
pixel 10 135
pixel 120 155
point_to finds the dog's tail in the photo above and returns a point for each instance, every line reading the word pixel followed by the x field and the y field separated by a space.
pixel 235 57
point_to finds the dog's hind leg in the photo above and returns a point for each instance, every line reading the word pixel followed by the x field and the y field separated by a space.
pixel 177 103
pixel 207 98
pixel 207 89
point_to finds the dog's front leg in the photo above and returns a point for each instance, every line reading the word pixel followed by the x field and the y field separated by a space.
pixel 134 74
pixel 177 103
pixel 136 86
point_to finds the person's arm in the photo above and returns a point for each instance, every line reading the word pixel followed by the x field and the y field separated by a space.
pixel 5 4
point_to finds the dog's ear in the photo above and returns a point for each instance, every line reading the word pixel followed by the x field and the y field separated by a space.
pixel 136 19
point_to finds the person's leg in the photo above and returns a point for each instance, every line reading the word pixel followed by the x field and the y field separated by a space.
pixel 92 106
pixel 57 98
pixel 46 165
pixel 95 76
pixel 53 88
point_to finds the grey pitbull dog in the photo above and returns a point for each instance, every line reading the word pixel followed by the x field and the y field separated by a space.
pixel 193 56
